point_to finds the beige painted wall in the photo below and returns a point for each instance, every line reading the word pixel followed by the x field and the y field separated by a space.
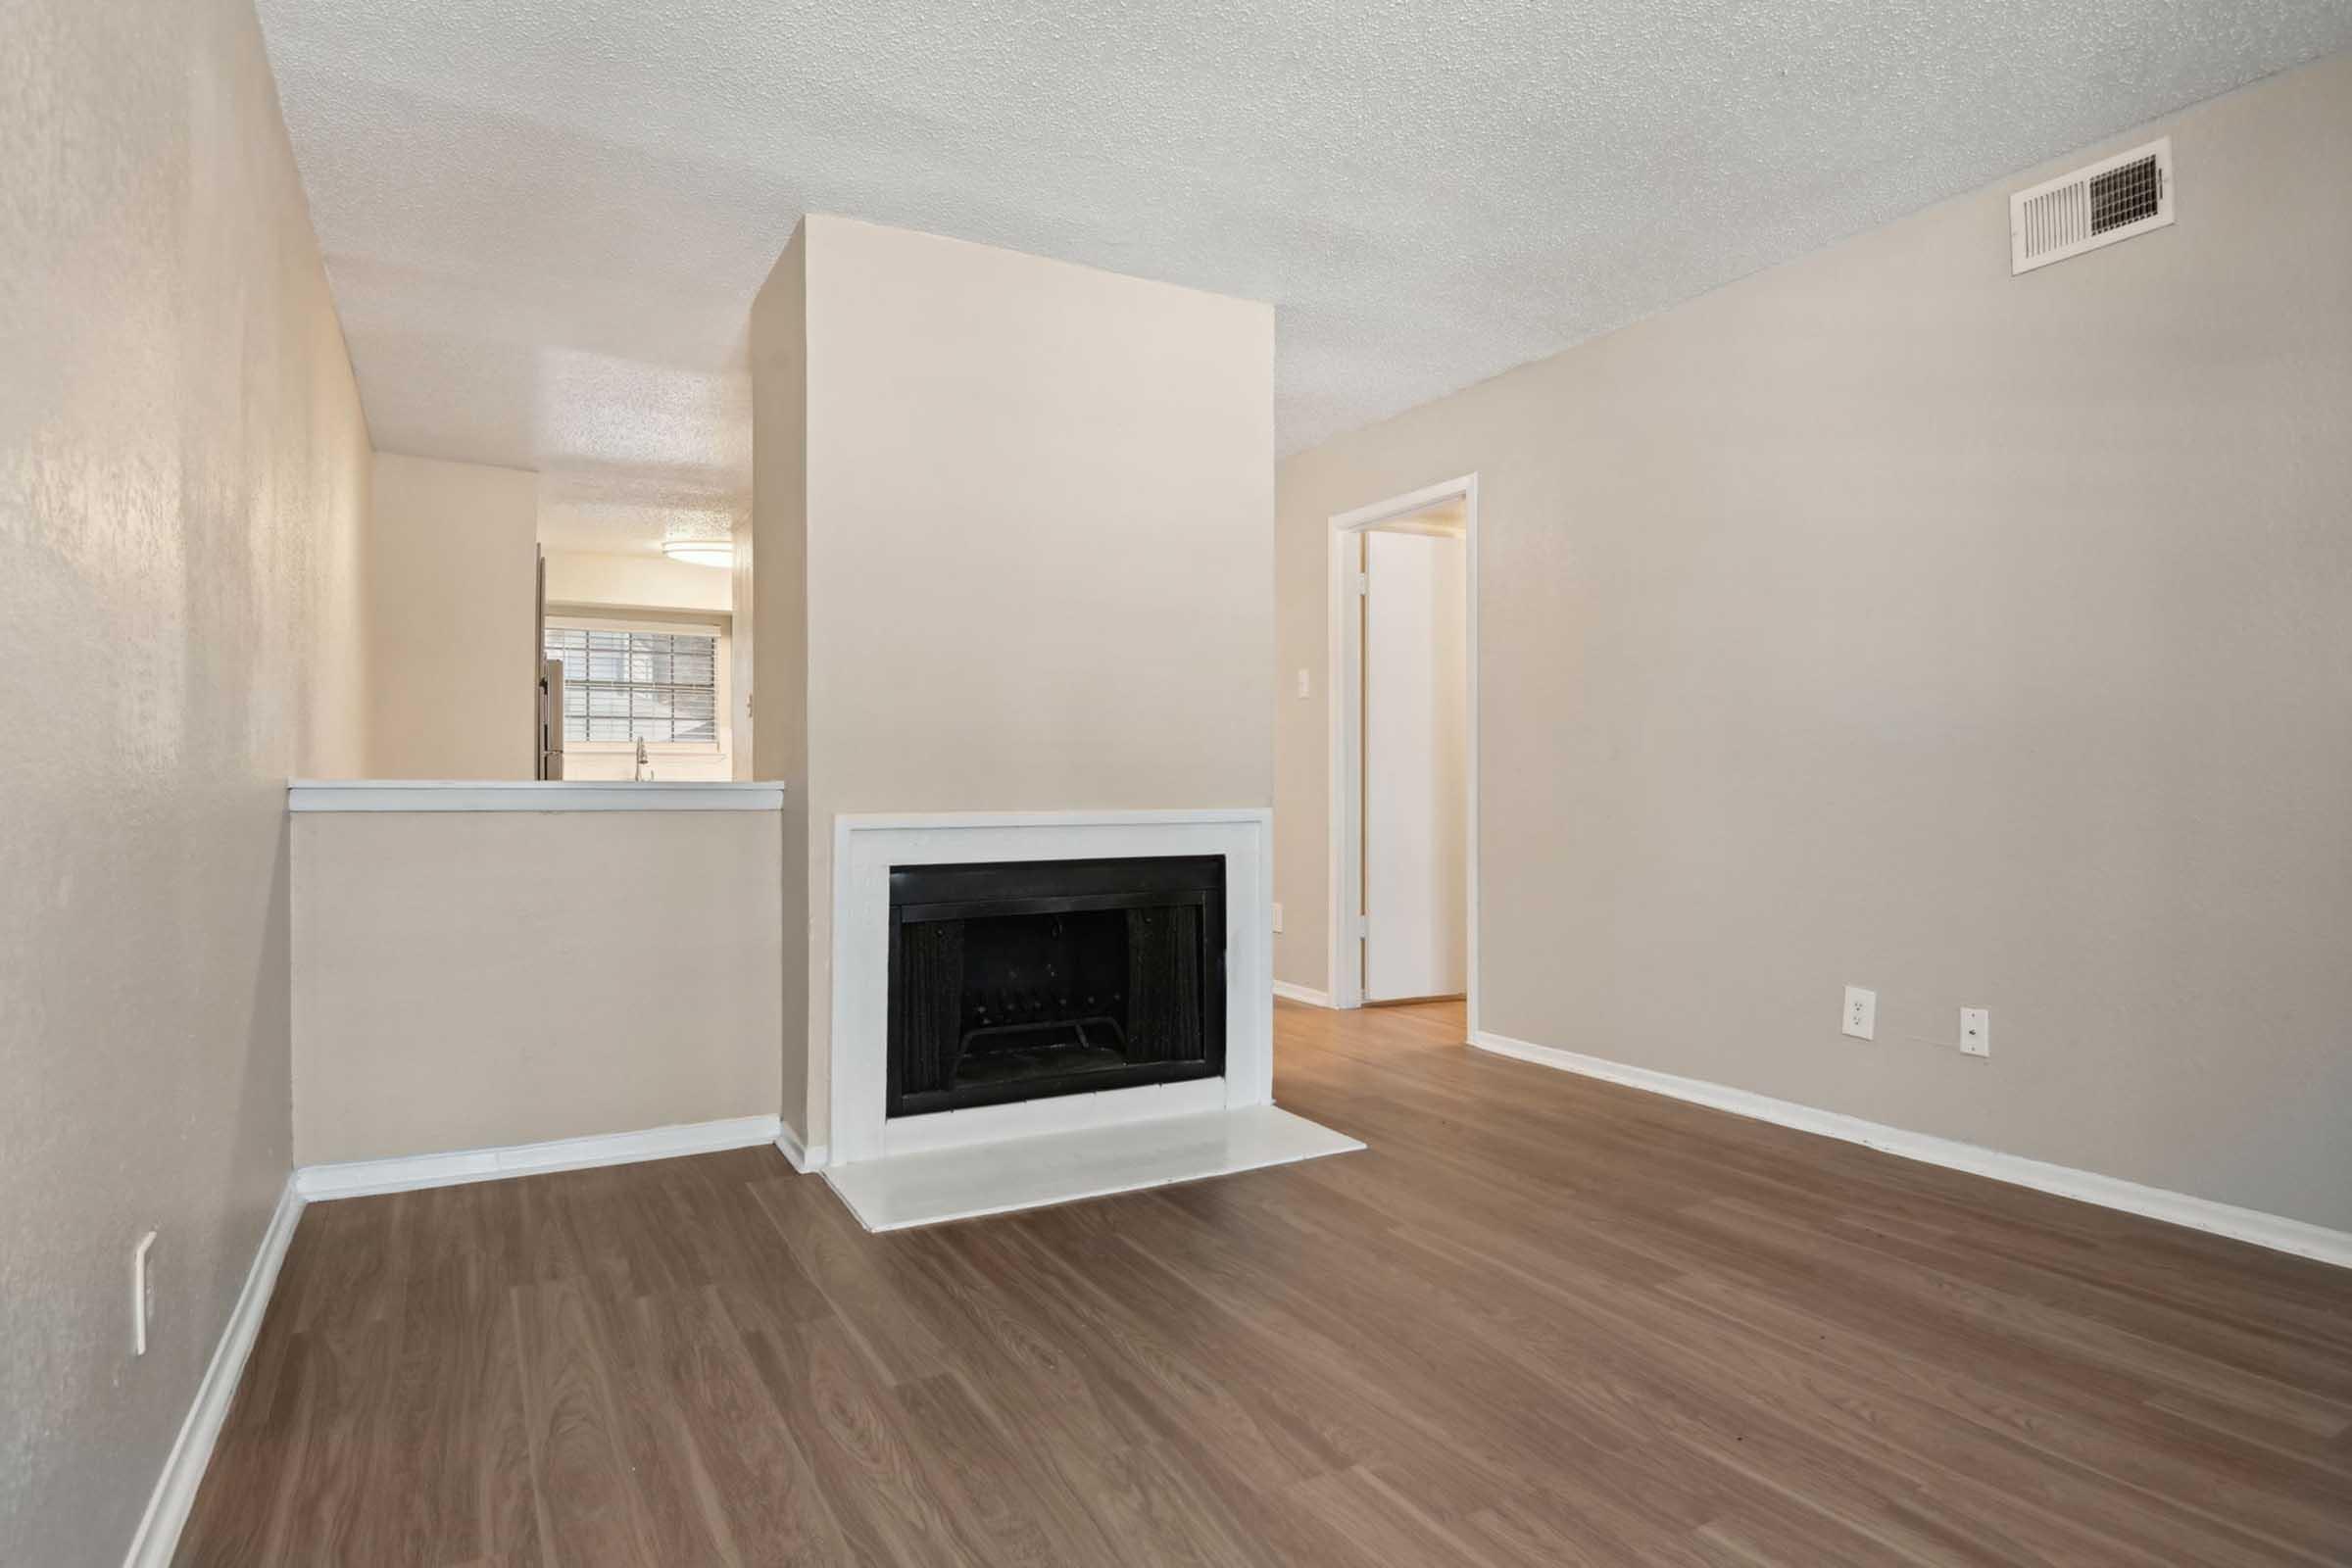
pixel 771 563
pixel 1887 620
pixel 453 583
pixel 743 647
pixel 183 502
pixel 1038 511
pixel 643 582
pixel 469 980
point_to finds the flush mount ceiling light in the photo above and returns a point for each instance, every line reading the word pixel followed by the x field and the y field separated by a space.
pixel 698 545
pixel 699 551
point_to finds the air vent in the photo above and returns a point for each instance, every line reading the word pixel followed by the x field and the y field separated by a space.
pixel 2097 205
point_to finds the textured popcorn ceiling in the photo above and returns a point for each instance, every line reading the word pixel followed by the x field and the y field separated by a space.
pixel 614 515
pixel 544 219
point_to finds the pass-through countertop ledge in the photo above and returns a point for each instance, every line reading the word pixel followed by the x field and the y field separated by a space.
pixel 532 795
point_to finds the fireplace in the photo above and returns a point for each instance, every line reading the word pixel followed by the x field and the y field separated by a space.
pixel 1029 979
pixel 868 1115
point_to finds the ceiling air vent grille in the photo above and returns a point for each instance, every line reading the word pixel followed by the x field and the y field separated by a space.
pixel 2097 205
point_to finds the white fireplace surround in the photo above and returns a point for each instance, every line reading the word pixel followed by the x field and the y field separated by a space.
pixel 866 847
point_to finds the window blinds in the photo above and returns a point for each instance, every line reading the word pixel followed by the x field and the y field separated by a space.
pixel 638 686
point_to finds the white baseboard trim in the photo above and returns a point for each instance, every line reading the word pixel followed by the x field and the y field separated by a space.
pixel 805 1157
pixel 1312 998
pixel 2273 1231
pixel 361 1178
pixel 158 1535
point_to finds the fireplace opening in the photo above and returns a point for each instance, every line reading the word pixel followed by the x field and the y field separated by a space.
pixel 1030 978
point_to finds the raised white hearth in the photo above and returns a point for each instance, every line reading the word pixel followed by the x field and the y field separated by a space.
pixel 915 1169
pixel 976 1179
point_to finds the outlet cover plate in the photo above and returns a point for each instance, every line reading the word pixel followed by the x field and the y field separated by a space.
pixel 142 1291
pixel 1976 1031
pixel 1861 1016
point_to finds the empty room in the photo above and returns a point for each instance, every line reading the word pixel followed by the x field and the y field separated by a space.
pixel 1216 784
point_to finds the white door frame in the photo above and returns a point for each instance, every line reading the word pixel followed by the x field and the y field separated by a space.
pixel 1345 666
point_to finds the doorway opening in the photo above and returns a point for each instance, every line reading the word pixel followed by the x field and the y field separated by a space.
pixel 1404 806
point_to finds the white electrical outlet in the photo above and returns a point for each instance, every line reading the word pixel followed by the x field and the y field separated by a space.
pixel 1976 1031
pixel 1861 1012
pixel 1278 919
pixel 142 1291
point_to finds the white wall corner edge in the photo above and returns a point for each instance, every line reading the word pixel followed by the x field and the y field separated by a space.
pixel 361 1178
pixel 802 1157
pixel 158 1536
pixel 1306 994
pixel 2276 1232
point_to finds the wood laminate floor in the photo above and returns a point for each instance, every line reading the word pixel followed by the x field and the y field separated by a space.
pixel 1541 1321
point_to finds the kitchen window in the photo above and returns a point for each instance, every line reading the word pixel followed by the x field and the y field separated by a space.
pixel 628 684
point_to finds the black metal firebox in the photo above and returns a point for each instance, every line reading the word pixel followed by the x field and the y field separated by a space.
pixel 1030 978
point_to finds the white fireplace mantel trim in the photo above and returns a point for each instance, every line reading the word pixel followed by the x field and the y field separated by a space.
pixel 864 848
pixel 847 822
